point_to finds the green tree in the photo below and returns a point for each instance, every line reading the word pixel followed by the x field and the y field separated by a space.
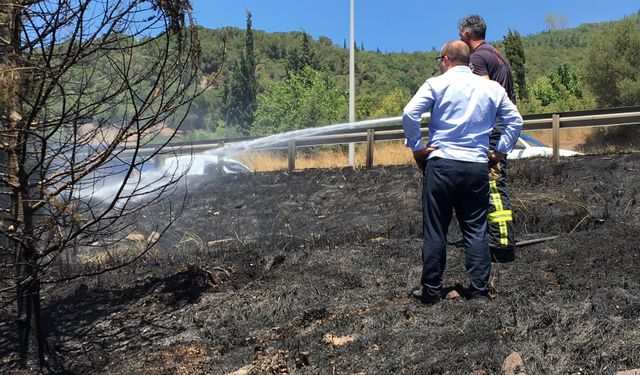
pixel 567 76
pixel 365 105
pixel 391 105
pixel 304 100
pixel 240 92
pixel 560 84
pixel 611 65
pixel 514 50
pixel 611 68
pixel 298 57
pixel 545 91
pixel 558 91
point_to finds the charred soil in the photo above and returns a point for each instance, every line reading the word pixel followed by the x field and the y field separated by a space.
pixel 309 273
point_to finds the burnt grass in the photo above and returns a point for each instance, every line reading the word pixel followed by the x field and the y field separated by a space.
pixel 309 273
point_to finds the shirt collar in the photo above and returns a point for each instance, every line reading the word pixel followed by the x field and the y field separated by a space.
pixel 460 68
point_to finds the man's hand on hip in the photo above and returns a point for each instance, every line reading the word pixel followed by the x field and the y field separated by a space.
pixel 420 156
pixel 495 157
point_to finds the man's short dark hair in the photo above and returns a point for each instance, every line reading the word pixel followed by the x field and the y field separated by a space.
pixel 475 24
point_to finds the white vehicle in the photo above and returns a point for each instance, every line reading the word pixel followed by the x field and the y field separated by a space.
pixel 529 147
pixel 149 184
pixel 200 165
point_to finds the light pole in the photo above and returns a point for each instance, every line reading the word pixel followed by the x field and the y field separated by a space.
pixel 352 83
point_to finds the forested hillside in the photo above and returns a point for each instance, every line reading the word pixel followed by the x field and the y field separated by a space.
pixel 392 76
pixel 301 82
pixel 548 49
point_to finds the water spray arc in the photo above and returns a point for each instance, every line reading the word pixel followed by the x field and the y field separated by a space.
pixel 280 140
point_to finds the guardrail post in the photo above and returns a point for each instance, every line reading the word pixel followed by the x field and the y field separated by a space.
pixel 555 136
pixel 369 158
pixel 157 160
pixel 291 155
pixel 220 165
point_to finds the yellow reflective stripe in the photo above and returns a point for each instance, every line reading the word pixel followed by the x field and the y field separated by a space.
pixel 504 215
pixel 503 212
pixel 495 196
pixel 504 239
pixel 500 220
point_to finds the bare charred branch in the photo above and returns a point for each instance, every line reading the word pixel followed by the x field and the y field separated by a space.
pixel 85 85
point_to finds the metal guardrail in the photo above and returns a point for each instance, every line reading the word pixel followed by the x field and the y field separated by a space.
pixel 389 129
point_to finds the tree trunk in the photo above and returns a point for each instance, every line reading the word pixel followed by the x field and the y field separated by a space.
pixel 14 142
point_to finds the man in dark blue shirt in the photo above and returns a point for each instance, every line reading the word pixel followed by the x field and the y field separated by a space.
pixel 486 61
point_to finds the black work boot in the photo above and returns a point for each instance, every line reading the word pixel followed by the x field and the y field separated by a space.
pixel 473 294
pixel 426 297
pixel 502 254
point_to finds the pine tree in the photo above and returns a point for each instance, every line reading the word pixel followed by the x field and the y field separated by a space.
pixel 240 94
pixel 515 54
pixel 298 57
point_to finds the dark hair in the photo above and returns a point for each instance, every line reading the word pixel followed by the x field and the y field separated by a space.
pixel 457 52
pixel 475 24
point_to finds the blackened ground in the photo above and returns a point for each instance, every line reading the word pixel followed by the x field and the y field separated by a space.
pixel 309 273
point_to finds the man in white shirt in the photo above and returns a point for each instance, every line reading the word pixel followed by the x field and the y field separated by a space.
pixel 464 108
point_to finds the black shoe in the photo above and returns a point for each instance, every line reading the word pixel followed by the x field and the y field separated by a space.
pixel 472 294
pixel 502 254
pixel 479 298
pixel 427 298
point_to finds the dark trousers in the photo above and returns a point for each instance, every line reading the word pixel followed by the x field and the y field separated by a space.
pixel 500 218
pixel 463 186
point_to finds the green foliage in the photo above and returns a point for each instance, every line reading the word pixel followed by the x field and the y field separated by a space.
pixel 558 84
pixel 232 100
pixel 565 104
pixel 611 65
pixel 559 90
pixel 299 57
pixel 546 50
pixel 365 105
pixel 392 104
pixel 240 95
pixel 370 107
pixel 198 115
pixel 200 135
pixel 567 78
pixel 545 91
pixel 611 68
pixel 629 91
pixel 303 100
pixel 514 50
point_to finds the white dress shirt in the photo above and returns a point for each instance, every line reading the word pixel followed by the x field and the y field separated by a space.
pixel 464 108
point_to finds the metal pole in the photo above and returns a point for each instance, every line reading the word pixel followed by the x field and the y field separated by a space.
pixel 555 136
pixel 291 156
pixel 370 139
pixel 352 83
pixel 221 156
pixel 535 241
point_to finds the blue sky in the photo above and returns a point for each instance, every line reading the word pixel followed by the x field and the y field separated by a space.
pixel 404 25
